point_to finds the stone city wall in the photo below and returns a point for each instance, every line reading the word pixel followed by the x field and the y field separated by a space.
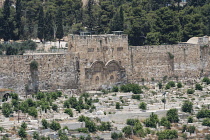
pixel 179 61
pixel 55 71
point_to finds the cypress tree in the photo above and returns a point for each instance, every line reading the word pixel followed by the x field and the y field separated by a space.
pixel 6 22
pixel 49 31
pixel 41 24
pixel 59 24
pixel 18 17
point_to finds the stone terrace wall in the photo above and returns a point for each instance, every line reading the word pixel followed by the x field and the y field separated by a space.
pixel 54 71
pixel 180 61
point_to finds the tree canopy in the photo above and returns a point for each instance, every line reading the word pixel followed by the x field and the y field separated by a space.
pixel 146 22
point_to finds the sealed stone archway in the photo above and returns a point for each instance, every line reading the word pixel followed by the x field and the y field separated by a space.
pixel 100 75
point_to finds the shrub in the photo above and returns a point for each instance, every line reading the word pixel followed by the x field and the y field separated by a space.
pixel 45 124
pixel 207 80
pixel 172 116
pixel 116 136
pixel 190 119
pixel 132 121
pixel 187 106
pixel 117 106
pixel 165 122
pixel 6 109
pixel 105 126
pixel 55 126
pixel 198 87
pixel 152 121
pixel 34 65
pixel 83 130
pixel 171 83
pixel 127 130
pixel 167 86
pixel 179 85
pixel 160 85
pixel 191 129
pixel 55 107
pixel 115 89
pixel 69 112
pixel 135 88
pixel 190 91
pixel 134 96
pixel 167 134
pixel 143 106
pixel 33 112
pixel 204 113
pixel 206 122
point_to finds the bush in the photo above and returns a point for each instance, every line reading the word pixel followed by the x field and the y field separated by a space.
pixel 204 113
pixel 206 122
pixel 187 106
pixel 190 91
pixel 115 89
pixel 22 133
pixel 167 86
pixel 152 121
pixel 69 112
pixel 134 96
pixel 171 83
pixel 164 122
pixel 167 134
pixel 83 130
pixel 132 121
pixel 135 88
pixel 117 106
pixel 172 116
pixel 45 124
pixel 55 107
pixel 207 80
pixel 116 136
pixel 191 129
pixel 143 106
pixel 198 87
pixel 105 126
pixel 34 65
pixel 6 109
pixel 127 130
pixel 160 85
pixel 55 126
pixel 179 85
pixel 33 112
pixel 190 119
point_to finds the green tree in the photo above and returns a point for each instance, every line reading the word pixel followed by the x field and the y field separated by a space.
pixel 143 106
pixel 127 130
pixel 152 121
pixel 190 119
pixel 118 20
pixel 179 85
pixel 6 109
pixel 55 126
pixel 172 116
pixel 198 87
pixel 59 25
pixel 41 24
pixel 33 112
pixel 24 125
pixel 190 91
pixel 49 27
pixel 22 133
pixel 69 112
pixel 187 106
pixel 165 122
pixel 45 124
pixel 36 136
pixel 117 106
pixel 18 18
pixel 55 107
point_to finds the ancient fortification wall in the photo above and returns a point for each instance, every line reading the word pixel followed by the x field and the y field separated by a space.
pixel 178 61
pixel 99 61
pixel 55 71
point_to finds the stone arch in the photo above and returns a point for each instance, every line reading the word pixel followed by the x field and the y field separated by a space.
pixel 113 70
pixel 97 66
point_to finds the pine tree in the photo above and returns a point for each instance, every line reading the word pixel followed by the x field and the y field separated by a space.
pixel 59 24
pixel 118 20
pixel 41 24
